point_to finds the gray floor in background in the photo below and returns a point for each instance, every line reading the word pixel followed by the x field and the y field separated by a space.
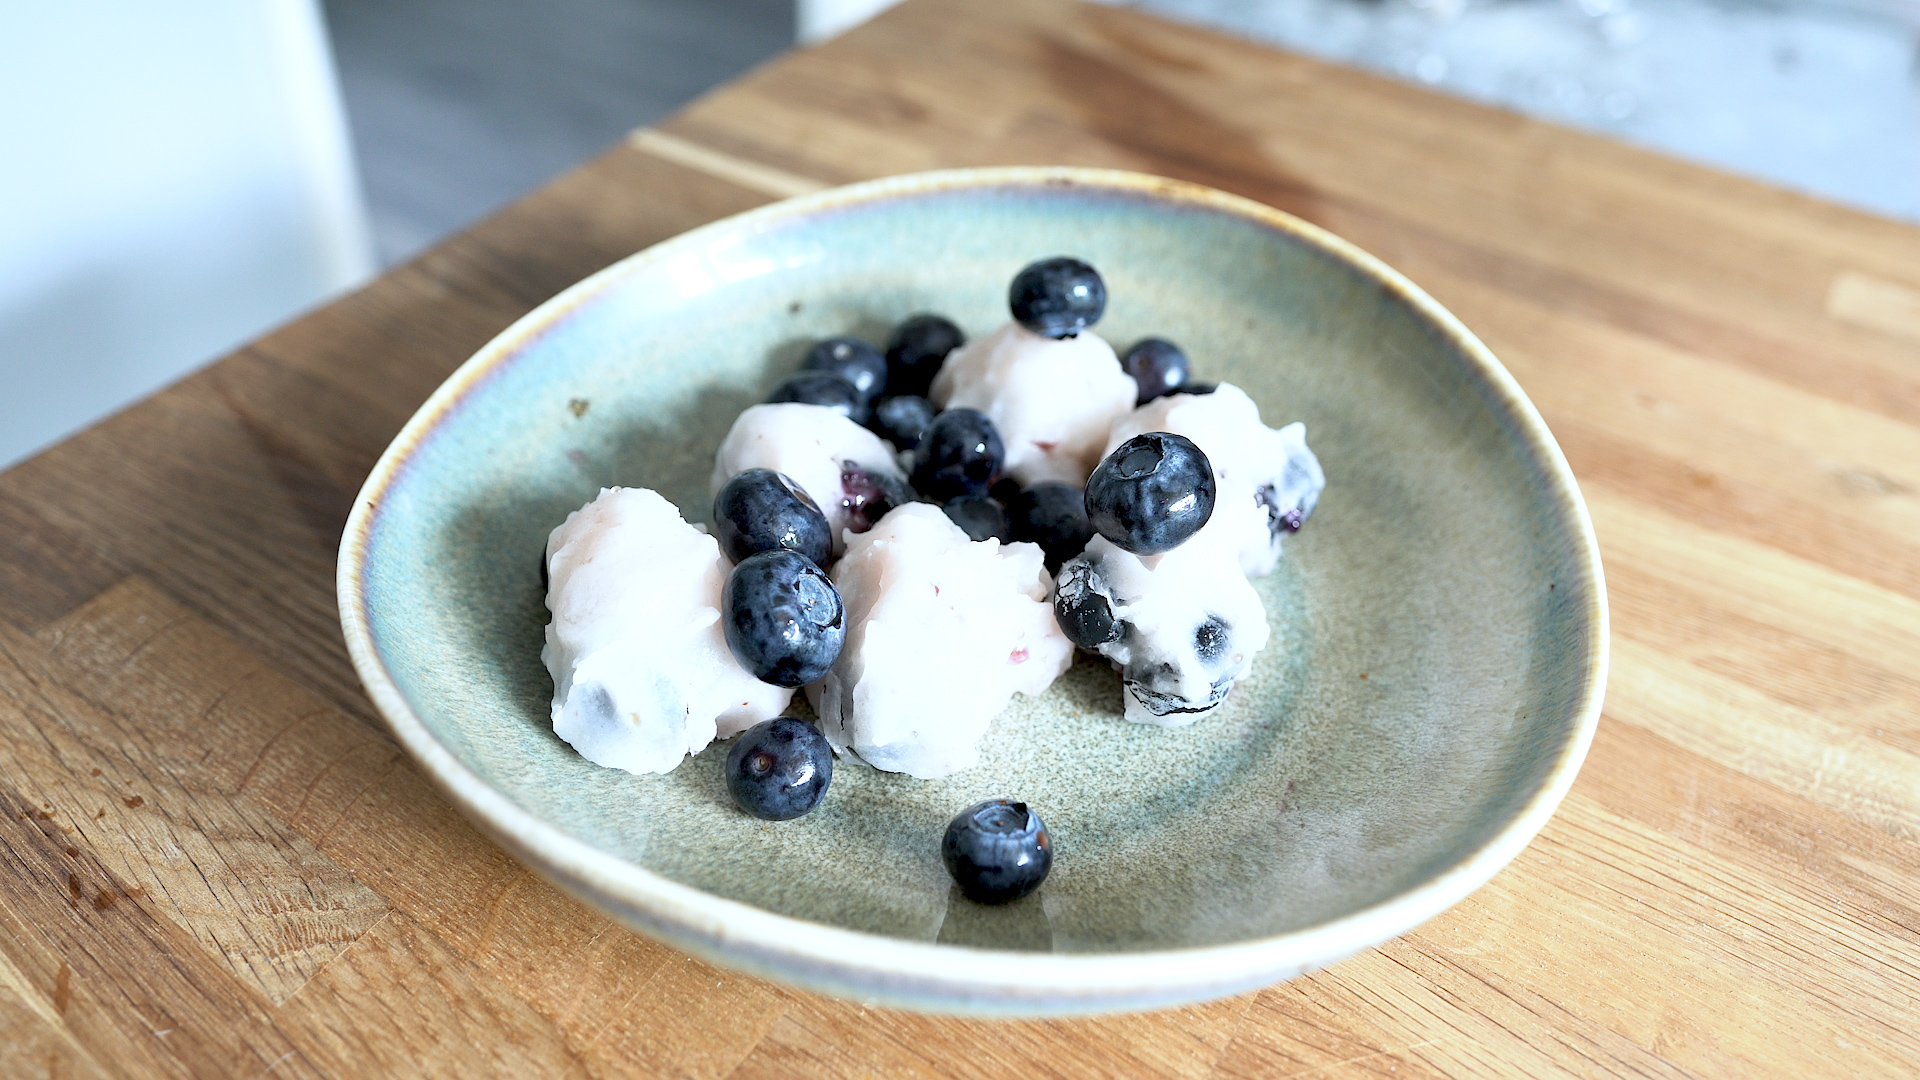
pixel 459 106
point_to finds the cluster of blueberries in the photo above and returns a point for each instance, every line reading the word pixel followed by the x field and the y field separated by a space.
pixel 784 619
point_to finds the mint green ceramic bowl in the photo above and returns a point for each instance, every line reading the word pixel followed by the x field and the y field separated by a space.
pixel 1432 685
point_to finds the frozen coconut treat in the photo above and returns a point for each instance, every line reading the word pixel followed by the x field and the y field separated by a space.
pixel 847 471
pixel 1052 399
pixel 942 631
pixel 1254 466
pixel 1180 627
pixel 642 675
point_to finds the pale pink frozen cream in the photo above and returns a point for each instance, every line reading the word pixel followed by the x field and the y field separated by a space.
pixel 844 468
pixel 642 675
pixel 942 631
pixel 1267 481
pixel 1052 400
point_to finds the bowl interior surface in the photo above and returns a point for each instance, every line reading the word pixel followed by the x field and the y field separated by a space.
pixel 1432 623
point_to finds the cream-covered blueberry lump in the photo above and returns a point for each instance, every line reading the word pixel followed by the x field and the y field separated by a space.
pixel 847 471
pixel 1268 481
pixel 1180 627
pixel 1052 399
pixel 942 631
pixel 642 675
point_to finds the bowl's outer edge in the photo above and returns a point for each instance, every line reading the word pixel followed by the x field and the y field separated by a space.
pixel 930 977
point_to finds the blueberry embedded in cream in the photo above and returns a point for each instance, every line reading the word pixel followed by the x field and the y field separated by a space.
pixel 1052 399
pixel 848 472
pixel 1254 465
pixel 1180 627
pixel 942 631
pixel 642 673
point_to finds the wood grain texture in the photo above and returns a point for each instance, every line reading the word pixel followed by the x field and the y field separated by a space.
pixel 214 862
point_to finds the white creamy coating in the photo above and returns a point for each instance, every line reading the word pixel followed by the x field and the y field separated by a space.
pixel 1053 400
pixel 642 673
pixel 1254 466
pixel 812 445
pixel 942 631
pixel 1172 674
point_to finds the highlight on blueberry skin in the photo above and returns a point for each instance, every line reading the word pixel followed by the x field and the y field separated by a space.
pixel 783 618
pixel 997 851
pixel 822 388
pixel 960 455
pixel 902 419
pixel 1057 297
pixel 760 510
pixel 853 360
pixel 779 769
pixel 1158 367
pixel 1153 492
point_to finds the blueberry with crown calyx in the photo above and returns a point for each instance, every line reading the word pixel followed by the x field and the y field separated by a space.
pixel 760 509
pixel 997 851
pixel 853 360
pixel 783 618
pixel 779 769
pixel 1153 492
pixel 1057 297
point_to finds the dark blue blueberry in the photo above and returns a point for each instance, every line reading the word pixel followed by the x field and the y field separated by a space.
pixel 867 494
pixel 779 769
pixel 997 851
pixel 544 579
pixel 822 388
pixel 1158 367
pixel 784 620
pixel 759 510
pixel 1053 515
pixel 1211 639
pixel 1083 607
pixel 980 517
pixel 917 349
pixel 960 455
pixel 1198 388
pixel 1057 297
pixel 902 420
pixel 853 360
pixel 1151 493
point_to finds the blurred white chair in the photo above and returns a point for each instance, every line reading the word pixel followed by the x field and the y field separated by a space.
pixel 174 179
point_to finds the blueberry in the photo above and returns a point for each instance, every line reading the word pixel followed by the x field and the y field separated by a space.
pixel 759 510
pixel 902 420
pixel 980 517
pixel 822 388
pixel 917 349
pixel 1198 388
pixel 866 495
pixel 997 851
pixel 1057 297
pixel 784 619
pixel 853 360
pixel 1053 515
pixel 779 769
pixel 1083 607
pixel 1157 366
pixel 1151 493
pixel 960 455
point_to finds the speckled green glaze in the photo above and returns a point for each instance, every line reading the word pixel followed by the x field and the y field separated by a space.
pixel 1431 686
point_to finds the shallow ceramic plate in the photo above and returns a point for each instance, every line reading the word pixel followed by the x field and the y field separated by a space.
pixel 1433 681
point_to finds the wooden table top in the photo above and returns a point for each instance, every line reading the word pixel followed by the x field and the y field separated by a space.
pixel 216 863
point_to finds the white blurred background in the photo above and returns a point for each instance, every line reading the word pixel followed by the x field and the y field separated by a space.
pixel 180 177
